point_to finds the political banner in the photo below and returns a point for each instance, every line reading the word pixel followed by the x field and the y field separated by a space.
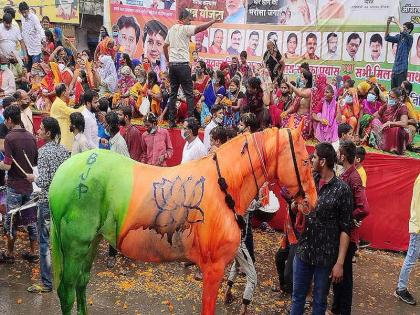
pixel 59 11
pixel 410 11
pixel 335 37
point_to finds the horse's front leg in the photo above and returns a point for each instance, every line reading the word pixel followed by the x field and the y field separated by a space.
pixel 212 277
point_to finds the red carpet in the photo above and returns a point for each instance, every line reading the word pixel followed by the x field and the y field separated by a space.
pixel 390 182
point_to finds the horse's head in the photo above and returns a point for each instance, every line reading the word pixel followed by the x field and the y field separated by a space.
pixel 294 168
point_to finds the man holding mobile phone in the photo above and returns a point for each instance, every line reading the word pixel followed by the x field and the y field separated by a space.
pixel 405 41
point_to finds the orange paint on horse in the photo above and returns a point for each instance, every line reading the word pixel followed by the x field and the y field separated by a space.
pixel 213 242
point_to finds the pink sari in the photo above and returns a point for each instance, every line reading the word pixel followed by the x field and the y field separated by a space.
pixel 327 133
pixel 392 139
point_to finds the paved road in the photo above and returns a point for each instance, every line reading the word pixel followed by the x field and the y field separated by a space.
pixel 141 288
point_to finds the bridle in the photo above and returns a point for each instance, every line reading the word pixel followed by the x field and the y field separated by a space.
pixel 262 155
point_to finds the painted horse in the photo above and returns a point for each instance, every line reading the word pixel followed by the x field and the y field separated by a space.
pixel 154 214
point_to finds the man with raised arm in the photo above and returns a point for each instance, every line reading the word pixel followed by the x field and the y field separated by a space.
pixel 176 50
pixel 404 40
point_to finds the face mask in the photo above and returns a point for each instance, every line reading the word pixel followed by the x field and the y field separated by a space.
pixel 216 81
pixel 3 67
pixel 392 102
pixel 198 71
pixel 61 66
pixel 141 80
pixel 348 99
pixel 107 133
pixel 151 130
pixel 302 83
pixel 115 34
pixel 371 97
pixel 218 120
pixel 233 90
pixel 184 135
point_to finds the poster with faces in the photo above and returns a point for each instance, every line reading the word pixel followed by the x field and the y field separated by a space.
pixel 236 41
pixel 391 50
pixel 415 50
pixel 217 41
pixel 353 46
pixel 311 45
pixel 254 43
pixel 275 36
pixel 201 41
pixel 292 44
pixel 375 47
pixel 332 43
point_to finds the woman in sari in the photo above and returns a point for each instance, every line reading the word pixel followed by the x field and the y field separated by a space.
pixel 231 103
pixel 369 107
pixel 82 79
pixel 106 76
pixel 43 86
pixel 282 99
pixel 213 94
pixel 344 86
pixel 256 101
pixel 273 61
pixel 125 83
pixel 224 67
pixel 123 60
pixel 413 116
pixel 326 117
pixel 234 66
pixel 350 108
pixel 105 47
pixel 49 45
pixel 199 85
pixel 139 89
pixel 388 126
pixel 300 109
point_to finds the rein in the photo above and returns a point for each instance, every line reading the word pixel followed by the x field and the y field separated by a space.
pixel 262 155
pixel 228 197
pixel 300 192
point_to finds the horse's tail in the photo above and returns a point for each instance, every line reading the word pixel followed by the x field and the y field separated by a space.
pixel 56 253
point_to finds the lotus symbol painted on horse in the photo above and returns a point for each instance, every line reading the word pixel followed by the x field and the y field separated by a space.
pixel 178 204
pixel 189 212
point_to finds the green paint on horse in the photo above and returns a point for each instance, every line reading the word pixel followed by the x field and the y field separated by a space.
pixel 96 181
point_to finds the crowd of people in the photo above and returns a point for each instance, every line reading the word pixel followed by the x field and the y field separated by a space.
pixel 92 99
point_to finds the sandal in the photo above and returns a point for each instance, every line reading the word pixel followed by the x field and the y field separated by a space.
pixel 29 257
pixel 39 288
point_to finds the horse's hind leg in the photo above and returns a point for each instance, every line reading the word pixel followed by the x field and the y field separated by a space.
pixel 84 277
pixel 67 288
pixel 213 274
pixel 78 251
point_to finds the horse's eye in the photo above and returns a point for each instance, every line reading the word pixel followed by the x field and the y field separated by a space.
pixel 305 162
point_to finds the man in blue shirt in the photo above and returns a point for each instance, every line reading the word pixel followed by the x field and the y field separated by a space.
pixel 405 41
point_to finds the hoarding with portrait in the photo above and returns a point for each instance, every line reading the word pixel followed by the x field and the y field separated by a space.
pixel 59 11
pixel 333 36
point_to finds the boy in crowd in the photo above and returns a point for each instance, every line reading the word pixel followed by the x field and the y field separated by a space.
pixel 360 157
pixel 343 291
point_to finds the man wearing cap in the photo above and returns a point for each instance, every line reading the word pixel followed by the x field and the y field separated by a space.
pixel 178 40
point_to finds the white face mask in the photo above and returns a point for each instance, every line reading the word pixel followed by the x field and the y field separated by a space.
pixel 218 120
pixel 184 134
pixel 61 66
